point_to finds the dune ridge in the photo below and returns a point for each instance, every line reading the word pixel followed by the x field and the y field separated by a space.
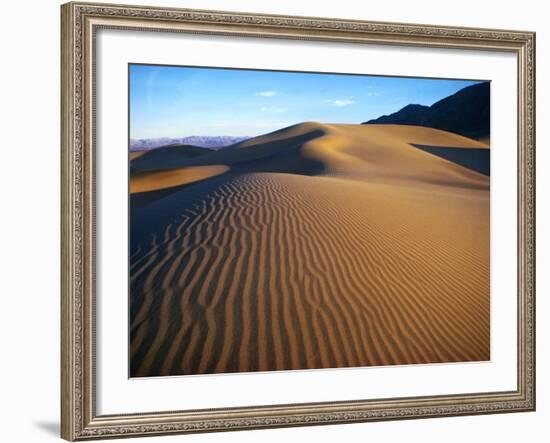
pixel 368 252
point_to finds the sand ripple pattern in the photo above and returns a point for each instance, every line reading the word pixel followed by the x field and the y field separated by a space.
pixel 274 271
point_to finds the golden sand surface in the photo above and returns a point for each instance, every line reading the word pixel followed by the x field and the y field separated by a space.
pixel 155 180
pixel 315 246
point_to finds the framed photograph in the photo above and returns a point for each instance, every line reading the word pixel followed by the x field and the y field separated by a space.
pixel 282 221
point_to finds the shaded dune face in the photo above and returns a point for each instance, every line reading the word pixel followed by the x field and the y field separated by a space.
pixel 370 252
pixel 167 157
pixel 477 159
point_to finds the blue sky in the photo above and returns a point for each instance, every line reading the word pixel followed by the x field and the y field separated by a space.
pixel 181 101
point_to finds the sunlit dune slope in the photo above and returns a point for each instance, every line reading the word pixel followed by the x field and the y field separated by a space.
pixel 318 246
pixel 155 180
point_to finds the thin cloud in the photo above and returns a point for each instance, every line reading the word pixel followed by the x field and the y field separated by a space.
pixel 267 93
pixel 373 94
pixel 256 124
pixel 273 109
pixel 150 82
pixel 340 103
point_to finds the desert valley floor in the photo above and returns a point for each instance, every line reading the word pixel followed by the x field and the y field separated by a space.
pixel 315 246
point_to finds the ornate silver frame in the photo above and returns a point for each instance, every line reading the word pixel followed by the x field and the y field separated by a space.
pixel 80 21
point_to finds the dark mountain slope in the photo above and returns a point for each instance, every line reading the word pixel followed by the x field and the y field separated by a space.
pixel 467 112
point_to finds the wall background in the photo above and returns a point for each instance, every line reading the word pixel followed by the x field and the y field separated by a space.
pixel 29 224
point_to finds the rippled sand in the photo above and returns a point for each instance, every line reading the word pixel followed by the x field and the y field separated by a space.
pixel 312 247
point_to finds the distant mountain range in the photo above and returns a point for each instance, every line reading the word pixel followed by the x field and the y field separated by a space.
pixel 467 112
pixel 212 142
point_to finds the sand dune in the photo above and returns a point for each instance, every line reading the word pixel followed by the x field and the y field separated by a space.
pixel 136 154
pixel 485 140
pixel 476 159
pixel 166 157
pixel 155 180
pixel 316 246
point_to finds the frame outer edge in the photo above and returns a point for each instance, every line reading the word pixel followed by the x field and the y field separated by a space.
pixel 68 425
pixel 526 222
pixel 531 183
pixel 534 169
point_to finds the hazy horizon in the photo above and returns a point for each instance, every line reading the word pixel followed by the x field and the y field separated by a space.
pixel 178 102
